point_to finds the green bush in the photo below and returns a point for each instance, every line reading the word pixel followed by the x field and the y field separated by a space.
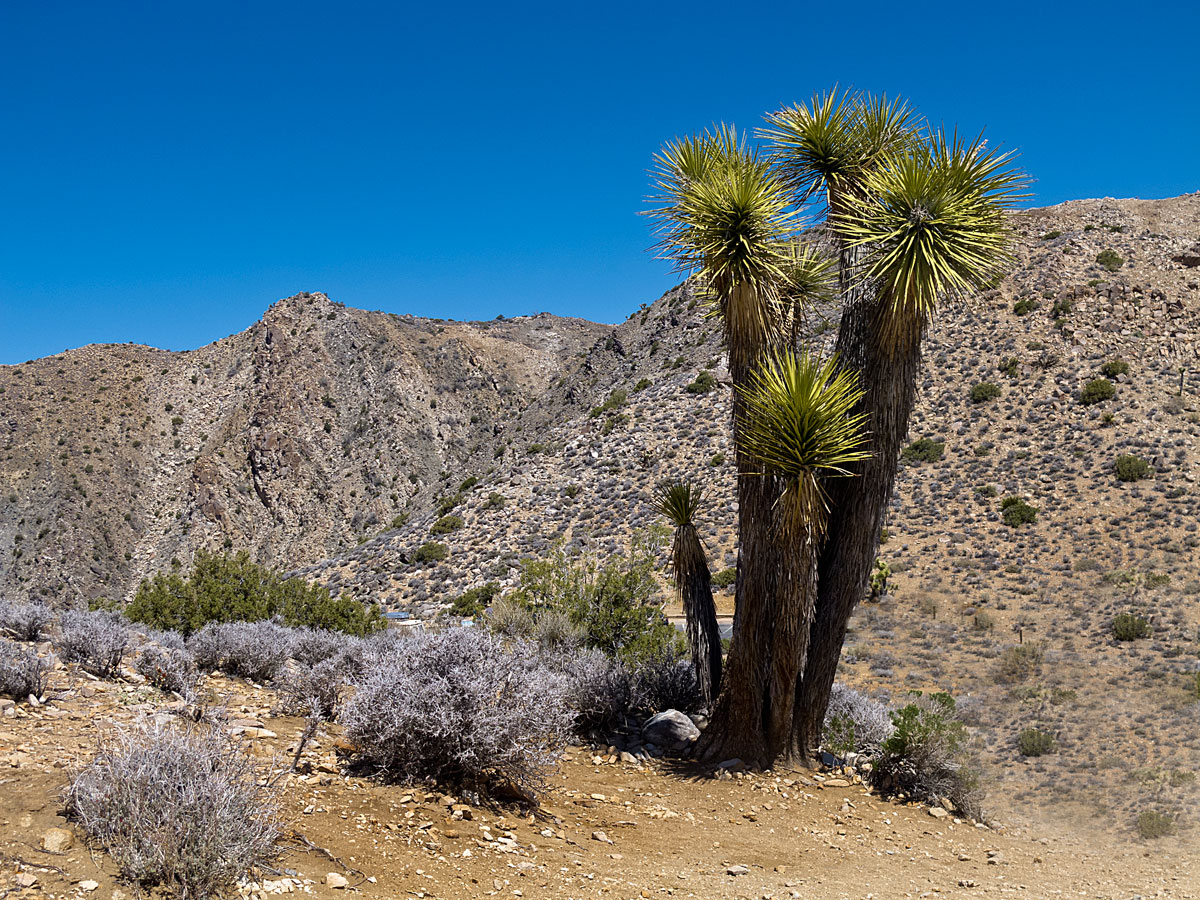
pixel 1110 260
pixel 704 383
pixel 1097 391
pixel 234 589
pixel 725 578
pixel 494 501
pixel 473 602
pixel 446 524
pixel 642 385
pixel 430 552
pixel 615 401
pixel 1062 308
pixel 1130 627
pixel 1035 742
pixel 1025 306
pixel 926 756
pixel 1015 512
pixel 922 450
pixel 614 604
pixel 984 391
pixel 1131 468
pixel 1154 824
pixel 1114 367
pixel 1050 235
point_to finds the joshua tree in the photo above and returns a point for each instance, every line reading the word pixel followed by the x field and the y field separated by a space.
pixel 914 216
pixel 726 215
pixel 679 502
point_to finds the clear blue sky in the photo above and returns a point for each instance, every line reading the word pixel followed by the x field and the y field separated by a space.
pixel 170 169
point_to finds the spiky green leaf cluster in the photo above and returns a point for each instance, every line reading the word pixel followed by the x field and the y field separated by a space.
pixel 798 424
pixel 678 501
pixel 934 222
pixel 830 143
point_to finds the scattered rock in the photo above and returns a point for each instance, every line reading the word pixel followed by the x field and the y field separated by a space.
pixel 670 729
pixel 58 840
pixel 336 881
pixel 738 870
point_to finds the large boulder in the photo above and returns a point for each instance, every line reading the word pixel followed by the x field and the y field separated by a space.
pixel 670 730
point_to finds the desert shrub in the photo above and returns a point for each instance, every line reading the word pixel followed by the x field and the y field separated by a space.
pixel 25 621
pixel 1110 260
pixel 614 603
pixel 94 639
pixel 309 646
pixel 983 621
pixel 925 757
pixel 446 524
pixel 1154 824
pixel 1127 626
pixel 189 811
pixel 1131 468
pixel 1062 308
pixel 599 689
pixel 511 618
pixel 1035 742
pixel 473 602
pixel 430 552
pixel 552 628
pixel 1024 306
pixel 1114 367
pixel 168 669
pixel 1019 662
pixel 1097 391
pixel 494 501
pixel 234 589
pixel 22 672
pixel 665 679
pixel 614 401
pixel 854 722
pixel 922 450
pixel 986 491
pixel 642 384
pixel 726 578
pixel 704 383
pixel 252 650
pixel 878 582
pixel 314 690
pixel 462 707
pixel 1015 512
pixel 984 391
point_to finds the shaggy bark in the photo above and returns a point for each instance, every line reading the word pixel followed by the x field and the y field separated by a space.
pixel 704 635
pixel 888 366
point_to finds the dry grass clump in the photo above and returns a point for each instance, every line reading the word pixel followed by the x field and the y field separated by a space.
pixel 190 811
pixel 25 621
pixel 22 673
pixel 96 640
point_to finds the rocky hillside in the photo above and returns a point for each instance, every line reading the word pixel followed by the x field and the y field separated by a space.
pixel 307 433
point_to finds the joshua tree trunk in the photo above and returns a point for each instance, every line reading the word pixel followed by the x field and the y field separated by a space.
pixel 888 364
pixel 740 720
pixel 704 636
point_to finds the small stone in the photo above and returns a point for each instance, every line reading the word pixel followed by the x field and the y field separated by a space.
pixel 58 840
pixel 24 880
pixel 89 885
pixel 336 881
pixel 670 729
pixel 737 870
pixel 937 812
pixel 601 837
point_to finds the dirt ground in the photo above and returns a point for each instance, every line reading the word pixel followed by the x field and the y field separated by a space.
pixel 605 829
